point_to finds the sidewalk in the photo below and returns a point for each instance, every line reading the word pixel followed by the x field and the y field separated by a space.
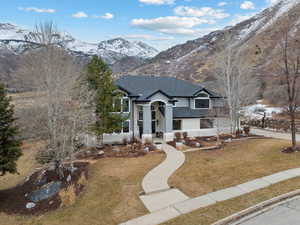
pixel 186 206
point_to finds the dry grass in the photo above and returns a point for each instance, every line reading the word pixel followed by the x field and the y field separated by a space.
pixel 68 196
pixel 28 99
pixel 26 164
pixel 110 197
pixel 239 162
pixel 211 214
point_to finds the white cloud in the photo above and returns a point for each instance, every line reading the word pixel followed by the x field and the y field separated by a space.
pixel 80 15
pixel 158 2
pixel 37 10
pixel 171 24
pixel 149 37
pixel 246 5
pixel 222 4
pixel 200 12
pixel 107 16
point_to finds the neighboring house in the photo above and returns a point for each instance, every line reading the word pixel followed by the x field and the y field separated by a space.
pixel 162 106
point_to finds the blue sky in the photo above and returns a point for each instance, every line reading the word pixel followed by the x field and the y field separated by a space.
pixel 160 23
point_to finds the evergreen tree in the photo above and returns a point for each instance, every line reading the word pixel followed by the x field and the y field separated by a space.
pixel 99 78
pixel 9 146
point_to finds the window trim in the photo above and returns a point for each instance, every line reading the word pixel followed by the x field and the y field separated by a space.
pixel 122 100
pixel 128 127
pixel 205 98
pixel 180 124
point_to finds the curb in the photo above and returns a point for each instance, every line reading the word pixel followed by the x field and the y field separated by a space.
pixel 257 208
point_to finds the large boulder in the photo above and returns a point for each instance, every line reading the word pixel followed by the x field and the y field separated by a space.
pixel 45 192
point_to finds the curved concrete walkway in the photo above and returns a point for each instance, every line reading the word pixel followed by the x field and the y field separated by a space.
pixel 157 179
pixel 158 193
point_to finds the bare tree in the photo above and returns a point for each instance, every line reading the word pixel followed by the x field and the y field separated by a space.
pixel 55 73
pixel 236 81
pixel 285 89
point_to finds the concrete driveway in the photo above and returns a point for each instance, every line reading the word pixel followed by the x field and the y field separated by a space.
pixel 286 213
pixel 273 134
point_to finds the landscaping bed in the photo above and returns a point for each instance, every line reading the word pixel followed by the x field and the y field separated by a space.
pixel 128 150
pixel 109 197
pixel 44 191
pixel 183 143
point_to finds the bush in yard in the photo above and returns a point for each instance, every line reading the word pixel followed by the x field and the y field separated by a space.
pixel 185 135
pixel 247 130
pixel 177 136
pixel 9 145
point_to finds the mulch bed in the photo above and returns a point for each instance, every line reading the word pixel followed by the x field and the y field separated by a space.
pixel 290 150
pixel 13 201
pixel 132 150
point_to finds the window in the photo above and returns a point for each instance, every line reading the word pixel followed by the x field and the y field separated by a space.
pixel 125 104
pixel 202 103
pixel 206 123
pixel 153 115
pixel 126 127
pixel 140 113
pixel 117 104
pixel 176 124
pixel 121 104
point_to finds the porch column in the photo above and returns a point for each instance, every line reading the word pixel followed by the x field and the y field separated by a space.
pixel 147 129
pixel 168 135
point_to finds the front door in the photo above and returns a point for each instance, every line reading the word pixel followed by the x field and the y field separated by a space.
pixel 153 126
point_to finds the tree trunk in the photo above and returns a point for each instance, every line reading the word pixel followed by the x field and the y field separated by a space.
pixel 293 131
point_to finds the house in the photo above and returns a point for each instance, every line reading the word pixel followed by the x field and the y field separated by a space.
pixel 162 106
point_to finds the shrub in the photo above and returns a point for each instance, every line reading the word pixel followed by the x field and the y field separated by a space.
pixel 177 136
pixel 125 141
pixel 185 135
pixel 238 133
pixel 247 130
pixel 172 143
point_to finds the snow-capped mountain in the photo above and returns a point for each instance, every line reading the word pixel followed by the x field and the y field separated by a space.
pixel 258 36
pixel 14 38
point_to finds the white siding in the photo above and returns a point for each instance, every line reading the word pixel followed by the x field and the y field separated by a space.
pixel 192 127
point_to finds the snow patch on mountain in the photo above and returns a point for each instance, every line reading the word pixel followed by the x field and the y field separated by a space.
pixel 14 39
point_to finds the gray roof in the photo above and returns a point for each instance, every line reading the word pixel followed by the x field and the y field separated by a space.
pixel 144 86
pixel 186 112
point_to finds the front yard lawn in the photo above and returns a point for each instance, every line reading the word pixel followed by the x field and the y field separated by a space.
pixel 238 162
pixel 110 197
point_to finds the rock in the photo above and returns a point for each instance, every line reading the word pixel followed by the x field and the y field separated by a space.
pixel 41 179
pixel 45 192
pixel 100 153
pixel 69 178
pixel 30 205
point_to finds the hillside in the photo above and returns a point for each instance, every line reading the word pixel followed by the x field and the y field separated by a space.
pixel 258 37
